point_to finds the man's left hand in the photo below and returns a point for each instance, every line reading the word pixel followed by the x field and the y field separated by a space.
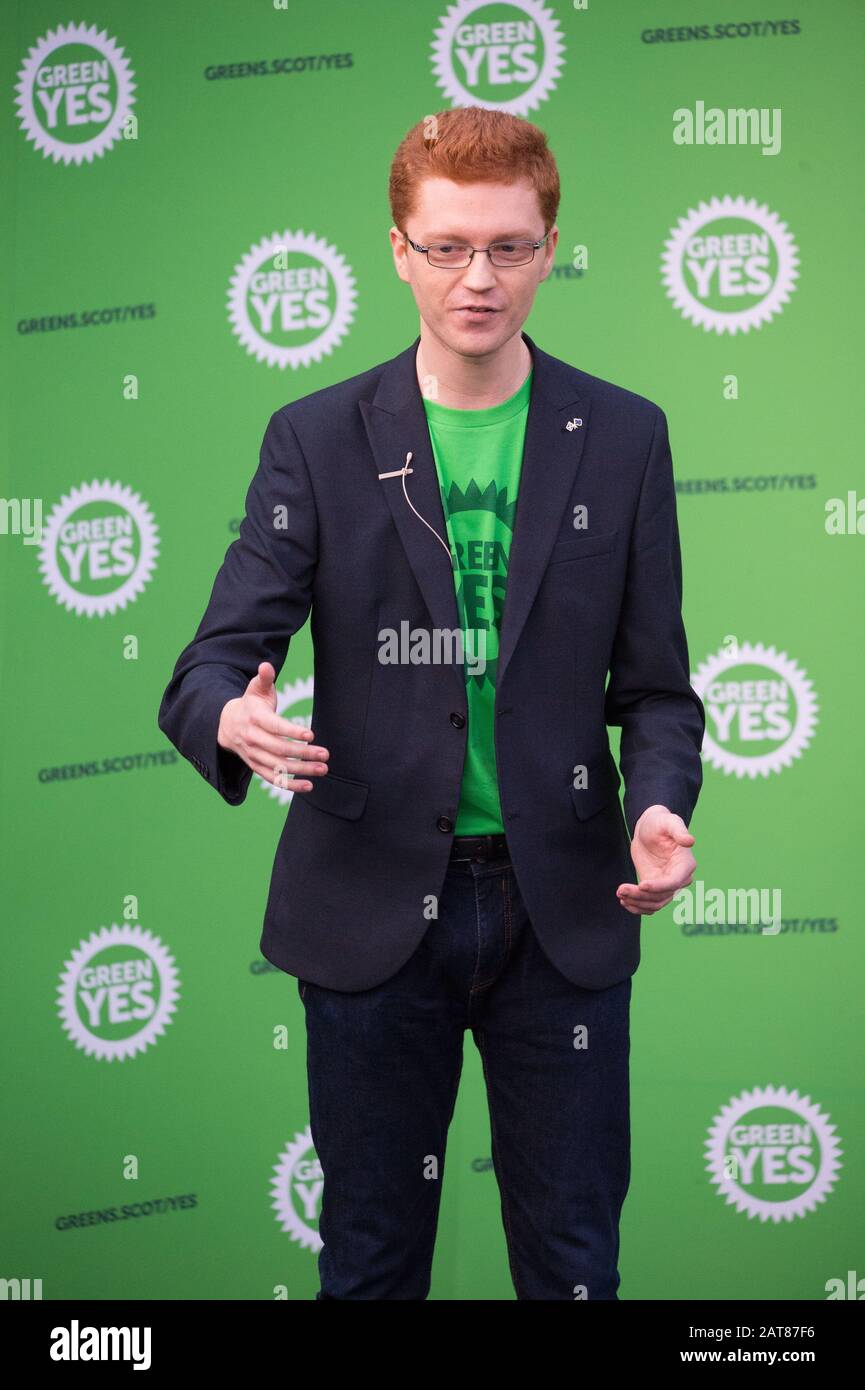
pixel 661 851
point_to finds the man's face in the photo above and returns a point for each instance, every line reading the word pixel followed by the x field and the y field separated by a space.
pixel 474 214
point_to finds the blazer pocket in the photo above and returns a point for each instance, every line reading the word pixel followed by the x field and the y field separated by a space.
pixel 577 547
pixel 602 787
pixel 339 796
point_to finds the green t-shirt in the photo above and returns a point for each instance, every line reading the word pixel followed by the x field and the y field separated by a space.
pixel 478 456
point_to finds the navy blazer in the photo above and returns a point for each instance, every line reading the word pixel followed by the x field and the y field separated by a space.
pixel 361 855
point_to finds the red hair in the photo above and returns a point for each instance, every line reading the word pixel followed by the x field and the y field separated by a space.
pixel 470 144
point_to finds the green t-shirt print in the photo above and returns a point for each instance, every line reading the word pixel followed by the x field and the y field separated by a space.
pixel 478 456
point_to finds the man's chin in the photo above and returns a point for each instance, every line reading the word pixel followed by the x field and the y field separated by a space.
pixel 475 339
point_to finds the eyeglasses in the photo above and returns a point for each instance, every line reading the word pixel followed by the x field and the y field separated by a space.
pixel 456 256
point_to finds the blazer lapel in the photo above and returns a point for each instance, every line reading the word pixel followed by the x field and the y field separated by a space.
pixel 396 423
pixel 551 457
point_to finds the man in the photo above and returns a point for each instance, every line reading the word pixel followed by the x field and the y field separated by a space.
pixel 456 856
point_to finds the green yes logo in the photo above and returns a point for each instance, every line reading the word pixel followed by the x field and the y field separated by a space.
pixel 291 299
pixel 296 1191
pixel 74 93
pixel 730 265
pixel 505 57
pixel 98 549
pixel 761 710
pixel 118 992
pixel 773 1154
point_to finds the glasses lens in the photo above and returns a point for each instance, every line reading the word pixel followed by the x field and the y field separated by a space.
pixel 450 255
pixel 511 252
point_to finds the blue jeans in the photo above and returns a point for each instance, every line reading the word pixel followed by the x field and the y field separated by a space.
pixel 383 1069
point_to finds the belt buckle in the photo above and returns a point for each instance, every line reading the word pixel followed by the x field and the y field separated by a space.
pixel 487 850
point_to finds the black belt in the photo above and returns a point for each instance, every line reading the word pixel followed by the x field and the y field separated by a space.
pixel 479 847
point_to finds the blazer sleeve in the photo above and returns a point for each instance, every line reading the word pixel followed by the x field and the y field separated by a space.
pixel 649 693
pixel 261 597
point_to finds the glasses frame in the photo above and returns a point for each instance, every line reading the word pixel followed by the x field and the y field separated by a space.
pixel 474 249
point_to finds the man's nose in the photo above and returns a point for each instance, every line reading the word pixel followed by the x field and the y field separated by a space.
pixel 479 275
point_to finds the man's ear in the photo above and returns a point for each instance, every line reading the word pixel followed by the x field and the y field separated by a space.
pixel 550 250
pixel 399 249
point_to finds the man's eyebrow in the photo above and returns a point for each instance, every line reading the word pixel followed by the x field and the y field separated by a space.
pixel 522 235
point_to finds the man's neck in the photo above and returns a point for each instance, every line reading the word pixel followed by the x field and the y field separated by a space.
pixel 471 383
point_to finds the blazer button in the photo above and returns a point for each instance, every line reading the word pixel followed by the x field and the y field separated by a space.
pixel 457 719
pixel 444 824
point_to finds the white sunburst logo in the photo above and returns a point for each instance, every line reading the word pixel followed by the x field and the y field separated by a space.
pixel 292 695
pixel 291 299
pixel 98 548
pixel 730 265
pixel 118 992
pixel 772 1153
pixel 296 1190
pixel 74 93
pixel 510 65
pixel 761 710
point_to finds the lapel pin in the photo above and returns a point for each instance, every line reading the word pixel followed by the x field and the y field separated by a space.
pixel 574 424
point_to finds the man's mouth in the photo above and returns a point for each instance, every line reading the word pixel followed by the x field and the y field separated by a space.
pixel 475 310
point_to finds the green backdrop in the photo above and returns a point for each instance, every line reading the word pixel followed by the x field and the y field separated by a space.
pixel 155 1136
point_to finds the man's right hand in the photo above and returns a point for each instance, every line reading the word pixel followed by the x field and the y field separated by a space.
pixel 272 746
